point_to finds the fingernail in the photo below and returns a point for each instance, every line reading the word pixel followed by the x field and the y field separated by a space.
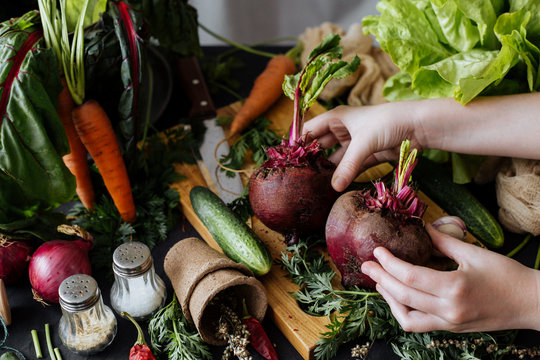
pixel 338 183
pixel 377 252
pixel 365 268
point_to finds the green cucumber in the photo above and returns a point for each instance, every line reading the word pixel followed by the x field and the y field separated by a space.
pixel 236 239
pixel 457 200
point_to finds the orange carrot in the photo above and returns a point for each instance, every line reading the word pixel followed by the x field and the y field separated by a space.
pixel 265 91
pixel 97 135
pixel 76 160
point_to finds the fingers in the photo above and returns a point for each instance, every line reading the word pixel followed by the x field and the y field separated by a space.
pixel 349 166
pixel 455 249
pixel 399 275
pixel 412 320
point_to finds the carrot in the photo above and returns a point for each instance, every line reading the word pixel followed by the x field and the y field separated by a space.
pixel 97 135
pixel 76 160
pixel 265 91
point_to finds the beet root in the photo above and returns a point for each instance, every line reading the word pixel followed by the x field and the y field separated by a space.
pixel 354 230
pixel 293 199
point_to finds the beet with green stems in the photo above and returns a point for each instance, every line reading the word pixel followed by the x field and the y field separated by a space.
pixel 291 192
pixel 391 217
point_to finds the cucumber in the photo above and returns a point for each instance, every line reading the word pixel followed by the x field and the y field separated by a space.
pixel 236 239
pixel 457 200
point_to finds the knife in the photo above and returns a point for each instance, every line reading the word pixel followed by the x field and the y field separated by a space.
pixel 202 108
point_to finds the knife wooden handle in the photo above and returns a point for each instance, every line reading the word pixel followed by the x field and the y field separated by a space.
pixel 194 85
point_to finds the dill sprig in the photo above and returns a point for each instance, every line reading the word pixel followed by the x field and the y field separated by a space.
pixel 357 312
pixel 173 337
pixel 257 138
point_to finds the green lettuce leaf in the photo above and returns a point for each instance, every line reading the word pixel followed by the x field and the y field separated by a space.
pixel 33 176
pixel 459 48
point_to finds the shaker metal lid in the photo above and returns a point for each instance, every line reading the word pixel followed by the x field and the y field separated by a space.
pixel 131 259
pixel 78 292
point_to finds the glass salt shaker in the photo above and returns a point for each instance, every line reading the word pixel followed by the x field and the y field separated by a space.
pixel 87 325
pixel 137 289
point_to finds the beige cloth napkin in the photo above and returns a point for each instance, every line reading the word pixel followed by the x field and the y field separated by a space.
pixel 518 195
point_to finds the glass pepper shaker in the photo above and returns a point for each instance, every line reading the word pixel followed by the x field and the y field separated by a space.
pixel 137 289
pixel 87 325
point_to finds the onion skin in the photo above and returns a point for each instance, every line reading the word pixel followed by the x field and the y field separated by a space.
pixel 353 231
pixel 14 259
pixel 293 200
pixel 56 260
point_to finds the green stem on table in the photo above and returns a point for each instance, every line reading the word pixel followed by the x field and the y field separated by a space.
pixel 37 347
pixel 150 83
pixel 49 342
pixel 254 45
pixel 363 293
pixel 520 246
pixel 57 353
pixel 235 44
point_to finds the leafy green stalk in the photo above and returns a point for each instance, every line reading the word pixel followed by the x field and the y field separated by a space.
pixel 70 55
pixel 305 87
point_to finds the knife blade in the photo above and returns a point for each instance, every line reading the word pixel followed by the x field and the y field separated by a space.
pixel 202 108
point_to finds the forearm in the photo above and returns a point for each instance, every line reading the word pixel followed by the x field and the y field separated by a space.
pixel 503 125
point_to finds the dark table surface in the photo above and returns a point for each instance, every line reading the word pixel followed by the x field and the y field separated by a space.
pixel 27 314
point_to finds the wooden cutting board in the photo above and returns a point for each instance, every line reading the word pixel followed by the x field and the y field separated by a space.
pixel 301 329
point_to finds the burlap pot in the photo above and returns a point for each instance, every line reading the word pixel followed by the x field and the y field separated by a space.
pixel 199 274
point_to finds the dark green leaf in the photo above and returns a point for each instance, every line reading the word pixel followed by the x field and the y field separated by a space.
pixel 32 173
pixel 173 23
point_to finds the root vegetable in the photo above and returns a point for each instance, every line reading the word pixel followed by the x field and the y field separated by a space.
pixel 56 260
pixel 360 221
pixel 291 192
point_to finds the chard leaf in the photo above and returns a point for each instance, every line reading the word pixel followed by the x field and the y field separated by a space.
pixel 173 23
pixel 93 12
pixel 33 176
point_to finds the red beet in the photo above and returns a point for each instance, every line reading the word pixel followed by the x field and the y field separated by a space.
pixel 291 192
pixel 360 221
pixel 353 231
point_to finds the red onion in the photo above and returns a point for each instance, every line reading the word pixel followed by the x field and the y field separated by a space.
pixel 56 260
pixel 14 258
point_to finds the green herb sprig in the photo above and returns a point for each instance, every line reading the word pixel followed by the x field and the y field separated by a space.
pixel 256 138
pixel 356 313
pixel 173 337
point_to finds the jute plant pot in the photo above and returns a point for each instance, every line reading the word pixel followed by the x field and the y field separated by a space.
pixel 199 274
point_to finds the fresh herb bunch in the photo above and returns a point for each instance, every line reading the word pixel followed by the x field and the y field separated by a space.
pixel 173 337
pixel 256 138
pixel 356 313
